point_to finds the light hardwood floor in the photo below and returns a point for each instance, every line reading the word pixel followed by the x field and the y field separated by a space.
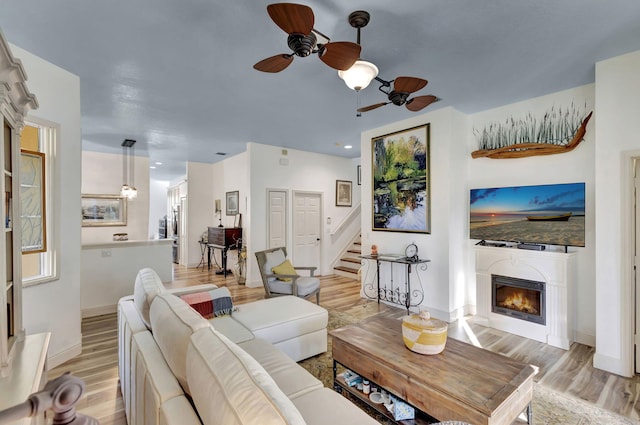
pixel 568 372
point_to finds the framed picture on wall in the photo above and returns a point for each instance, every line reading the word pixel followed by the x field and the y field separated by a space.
pixel 401 184
pixel 232 202
pixel 343 193
pixel 104 210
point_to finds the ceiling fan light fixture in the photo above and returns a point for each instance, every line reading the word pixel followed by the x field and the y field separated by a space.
pixel 359 75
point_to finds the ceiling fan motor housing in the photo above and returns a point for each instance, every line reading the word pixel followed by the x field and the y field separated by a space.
pixel 302 45
pixel 398 98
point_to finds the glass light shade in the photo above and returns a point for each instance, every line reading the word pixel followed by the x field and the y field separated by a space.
pixel 128 192
pixel 359 75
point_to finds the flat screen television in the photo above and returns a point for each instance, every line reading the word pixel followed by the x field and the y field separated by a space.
pixel 550 214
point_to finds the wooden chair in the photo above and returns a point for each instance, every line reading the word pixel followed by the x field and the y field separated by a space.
pixel 274 285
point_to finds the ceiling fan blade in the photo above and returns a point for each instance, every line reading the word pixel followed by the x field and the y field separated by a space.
pixel 340 55
pixel 292 18
pixel 408 84
pixel 274 64
pixel 420 102
pixel 371 107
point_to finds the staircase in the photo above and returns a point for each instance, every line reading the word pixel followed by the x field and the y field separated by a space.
pixel 350 263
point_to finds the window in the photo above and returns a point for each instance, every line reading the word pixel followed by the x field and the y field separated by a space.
pixel 39 265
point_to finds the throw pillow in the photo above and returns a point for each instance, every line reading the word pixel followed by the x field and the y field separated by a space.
pixel 210 304
pixel 285 268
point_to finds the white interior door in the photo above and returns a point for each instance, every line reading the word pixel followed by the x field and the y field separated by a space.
pixel 182 235
pixel 306 229
pixel 636 275
pixel 277 219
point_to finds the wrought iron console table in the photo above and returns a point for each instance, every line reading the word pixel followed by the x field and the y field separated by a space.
pixel 390 291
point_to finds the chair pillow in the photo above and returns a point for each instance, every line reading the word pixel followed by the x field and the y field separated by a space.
pixel 285 268
pixel 210 304
pixel 273 259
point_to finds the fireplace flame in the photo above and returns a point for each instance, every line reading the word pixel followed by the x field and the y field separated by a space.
pixel 519 302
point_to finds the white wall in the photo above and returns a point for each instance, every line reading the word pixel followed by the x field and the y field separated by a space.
pixel 157 205
pixel 55 306
pixel 572 167
pixel 200 208
pixel 109 271
pixel 444 281
pixel 102 175
pixel 617 141
pixel 305 171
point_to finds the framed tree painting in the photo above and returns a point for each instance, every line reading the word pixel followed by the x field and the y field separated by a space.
pixel 401 184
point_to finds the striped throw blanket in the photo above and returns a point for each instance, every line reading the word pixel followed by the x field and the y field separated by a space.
pixel 209 304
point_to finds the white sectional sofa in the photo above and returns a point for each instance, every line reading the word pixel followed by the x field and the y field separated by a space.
pixel 178 368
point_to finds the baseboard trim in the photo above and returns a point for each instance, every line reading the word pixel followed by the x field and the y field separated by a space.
pixel 64 356
pixel 99 311
pixel 585 339
pixel 610 364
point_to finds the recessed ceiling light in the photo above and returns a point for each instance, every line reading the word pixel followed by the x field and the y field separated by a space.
pixel 153 167
pixel 348 146
pixel 158 163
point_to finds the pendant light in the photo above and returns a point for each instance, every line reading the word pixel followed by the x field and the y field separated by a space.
pixel 361 72
pixel 128 190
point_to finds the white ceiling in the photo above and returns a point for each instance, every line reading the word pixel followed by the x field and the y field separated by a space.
pixel 177 76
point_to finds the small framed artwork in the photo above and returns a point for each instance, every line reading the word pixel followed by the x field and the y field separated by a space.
pixel 104 210
pixel 359 175
pixel 232 202
pixel 343 193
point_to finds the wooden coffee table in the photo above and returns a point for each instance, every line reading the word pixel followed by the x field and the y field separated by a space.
pixel 463 383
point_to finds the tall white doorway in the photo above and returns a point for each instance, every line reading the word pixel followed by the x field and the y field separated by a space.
pixel 277 218
pixel 307 207
pixel 636 246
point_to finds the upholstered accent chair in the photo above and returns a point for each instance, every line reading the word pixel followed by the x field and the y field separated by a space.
pixel 280 277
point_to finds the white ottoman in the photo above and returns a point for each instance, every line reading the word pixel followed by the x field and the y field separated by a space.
pixel 294 325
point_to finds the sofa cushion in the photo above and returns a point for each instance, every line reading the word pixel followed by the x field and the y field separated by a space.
pixel 229 387
pixel 281 318
pixel 232 329
pixel 173 322
pixel 209 304
pixel 145 288
pixel 324 406
pixel 285 268
pixel 290 377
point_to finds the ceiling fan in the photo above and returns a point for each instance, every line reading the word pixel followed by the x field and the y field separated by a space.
pixel 297 20
pixel 403 87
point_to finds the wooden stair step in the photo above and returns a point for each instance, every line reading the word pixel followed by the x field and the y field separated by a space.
pixel 354 251
pixel 350 260
pixel 347 269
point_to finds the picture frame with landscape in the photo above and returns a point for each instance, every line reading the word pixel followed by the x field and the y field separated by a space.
pixel 343 193
pixel 401 184
pixel 104 210
pixel 232 202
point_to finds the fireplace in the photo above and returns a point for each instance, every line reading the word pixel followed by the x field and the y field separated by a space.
pixel 518 298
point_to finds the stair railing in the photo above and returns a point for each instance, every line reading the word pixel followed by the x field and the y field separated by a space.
pixel 355 212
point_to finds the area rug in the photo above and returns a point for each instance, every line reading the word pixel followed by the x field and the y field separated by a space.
pixel 549 407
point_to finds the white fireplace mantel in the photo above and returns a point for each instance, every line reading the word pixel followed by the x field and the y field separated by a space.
pixel 555 269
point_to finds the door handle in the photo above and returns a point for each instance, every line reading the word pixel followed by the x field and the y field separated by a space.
pixel 317 239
